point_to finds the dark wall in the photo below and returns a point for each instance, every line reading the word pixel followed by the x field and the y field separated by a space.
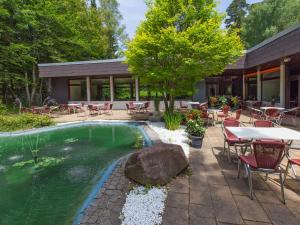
pixel 60 89
pixel 200 94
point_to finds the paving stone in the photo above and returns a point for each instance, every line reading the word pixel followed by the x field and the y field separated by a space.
pixel 175 216
pixel 178 200
pixel 267 197
pixel 250 209
pixel 255 223
pixel 202 221
pixel 180 185
pixel 280 215
pixel 200 198
pixel 220 193
pixel 238 186
pixel 227 212
pixel 203 211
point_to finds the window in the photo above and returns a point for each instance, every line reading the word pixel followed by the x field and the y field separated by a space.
pixel 124 89
pixel 77 90
pixel 271 87
pixel 251 88
pixel 100 90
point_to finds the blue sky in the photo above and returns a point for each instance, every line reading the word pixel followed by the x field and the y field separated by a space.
pixel 133 12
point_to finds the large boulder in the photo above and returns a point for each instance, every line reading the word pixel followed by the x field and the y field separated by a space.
pixel 156 165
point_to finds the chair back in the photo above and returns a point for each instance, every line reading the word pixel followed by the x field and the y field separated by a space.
pixel 127 106
pixel 182 105
pixel 272 112
pixel 263 123
pixel 257 104
pixel 226 109
pixel 231 123
pixel 146 105
pixel 238 114
pixel 292 112
pixel 268 154
pixel 204 114
pixel 110 106
pixel 131 104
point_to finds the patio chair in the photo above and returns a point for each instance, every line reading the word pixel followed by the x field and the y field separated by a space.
pixel 182 105
pixel 290 114
pixel 224 113
pixel 290 164
pixel 257 104
pixel 145 107
pixel 273 114
pixel 231 140
pixel 93 110
pixel 266 159
pixel 263 123
pixel 130 109
pixel 206 118
pixel 107 107
pixel 64 108
pixel 237 115
pixel 255 114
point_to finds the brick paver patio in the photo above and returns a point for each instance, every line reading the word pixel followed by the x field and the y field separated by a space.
pixel 213 195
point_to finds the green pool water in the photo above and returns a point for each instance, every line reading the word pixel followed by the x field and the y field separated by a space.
pixel 51 193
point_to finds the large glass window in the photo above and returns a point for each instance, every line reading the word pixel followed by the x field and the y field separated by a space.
pixel 251 88
pixel 77 90
pixel 271 87
pixel 124 89
pixel 100 90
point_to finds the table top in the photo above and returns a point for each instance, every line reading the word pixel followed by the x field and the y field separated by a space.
pixel 138 103
pixel 74 104
pixel 214 110
pixel 193 103
pixel 270 107
pixel 278 133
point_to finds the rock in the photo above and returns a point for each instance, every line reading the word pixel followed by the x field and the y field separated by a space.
pixel 156 165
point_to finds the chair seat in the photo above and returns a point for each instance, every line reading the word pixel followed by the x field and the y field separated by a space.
pixel 235 140
pixel 221 114
pixel 249 159
pixel 295 161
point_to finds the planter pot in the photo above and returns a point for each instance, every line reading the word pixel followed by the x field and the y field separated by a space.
pixel 196 141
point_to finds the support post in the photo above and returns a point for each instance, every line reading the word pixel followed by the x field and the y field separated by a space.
pixel 111 87
pixel 137 91
pixel 88 89
pixel 244 87
pixel 282 84
pixel 49 86
pixel 258 84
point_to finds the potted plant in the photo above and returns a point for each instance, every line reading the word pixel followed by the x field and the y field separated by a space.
pixel 196 131
pixel 223 100
pixel 235 101
pixel 213 101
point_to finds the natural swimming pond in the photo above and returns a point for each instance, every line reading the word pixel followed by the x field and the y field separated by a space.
pixel 45 177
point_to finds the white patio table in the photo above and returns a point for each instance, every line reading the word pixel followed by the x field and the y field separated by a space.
pixel 138 105
pixel 271 107
pixel 193 104
pixel 73 106
pixel 276 133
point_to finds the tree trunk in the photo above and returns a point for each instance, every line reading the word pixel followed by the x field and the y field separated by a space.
pixel 27 89
pixel 33 84
pixel 172 104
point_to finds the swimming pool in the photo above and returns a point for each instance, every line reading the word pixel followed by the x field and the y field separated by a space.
pixel 46 175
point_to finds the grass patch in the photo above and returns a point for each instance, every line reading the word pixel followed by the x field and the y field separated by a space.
pixel 14 122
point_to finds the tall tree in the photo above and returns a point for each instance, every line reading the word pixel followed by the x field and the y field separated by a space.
pixel 115 32
pixel 236 12
pixel 267 18
pixel 179 43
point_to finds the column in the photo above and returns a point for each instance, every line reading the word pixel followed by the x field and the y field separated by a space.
pixel 258 84
pixel 282 84
pixel 49 86
pixel 137 91
pixel 244 87
pixel 88 89
pixel 111 87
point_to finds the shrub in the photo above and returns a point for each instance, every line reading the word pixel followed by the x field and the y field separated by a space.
pixel 3 109
pixel 25 121
pixel 195 128
pixel 172 120
pixel 235 101
pixel 193 114
pixel 223 100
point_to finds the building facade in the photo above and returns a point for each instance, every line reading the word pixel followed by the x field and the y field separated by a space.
pixel 268 72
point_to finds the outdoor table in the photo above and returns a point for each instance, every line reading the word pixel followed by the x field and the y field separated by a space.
pixel 73 106
pixel 271 107
pixel 193 104
pixel 257 133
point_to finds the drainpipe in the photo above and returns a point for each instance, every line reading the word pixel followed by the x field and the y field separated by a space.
pixel 137 92
pixel 282 84
pixel 258 84
pixel 111 87
pixel 49 87
pixel 244 86
pixel 88 89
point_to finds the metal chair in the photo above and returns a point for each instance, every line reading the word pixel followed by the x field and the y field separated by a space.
pixel 266 159
pixel 224 113
pixel 290 114
pixel 273 114
pixel 237 115
pixel 255 114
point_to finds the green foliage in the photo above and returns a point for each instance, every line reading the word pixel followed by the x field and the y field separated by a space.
pixel 235 101
pixel 24 121
pixel 195 128
pixel 223 100
pixel 193 114
pixel 179 43
pixel 267 18
pixel 139 140
pixel 172 120
pixel 3 109
pixel 236 12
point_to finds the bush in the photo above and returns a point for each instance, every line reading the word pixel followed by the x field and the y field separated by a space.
pixel 195 128
pixel 25 121
pixel 3 109
pixel 172 120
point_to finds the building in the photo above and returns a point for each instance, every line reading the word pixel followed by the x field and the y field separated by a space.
pixel 268 71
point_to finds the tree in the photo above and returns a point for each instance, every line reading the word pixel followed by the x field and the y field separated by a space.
pixel 267 18
pixel 180 43
pixel 236 12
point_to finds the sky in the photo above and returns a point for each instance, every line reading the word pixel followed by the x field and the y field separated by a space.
pixel 133 12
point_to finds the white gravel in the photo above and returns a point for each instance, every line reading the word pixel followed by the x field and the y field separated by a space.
pixel 178 137
pixel 144 206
